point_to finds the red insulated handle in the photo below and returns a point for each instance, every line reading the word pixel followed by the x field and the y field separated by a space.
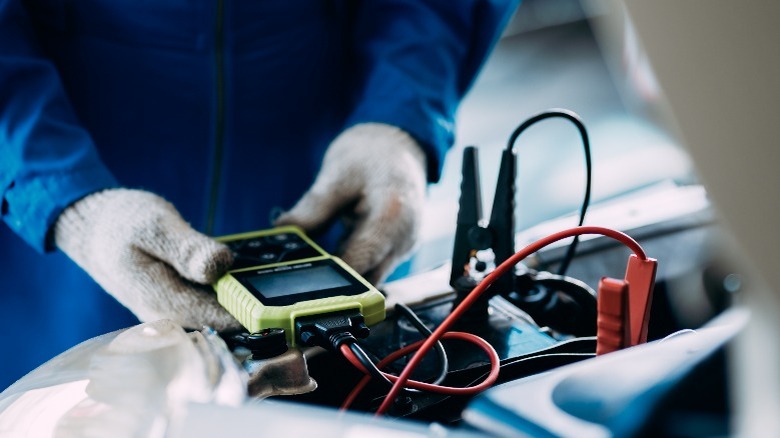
pixel 612 323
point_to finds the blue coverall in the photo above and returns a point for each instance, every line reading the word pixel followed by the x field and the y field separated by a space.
pixel 222 107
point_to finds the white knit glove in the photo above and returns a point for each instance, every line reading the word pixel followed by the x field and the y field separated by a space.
pixel 372 174
pixel 139 249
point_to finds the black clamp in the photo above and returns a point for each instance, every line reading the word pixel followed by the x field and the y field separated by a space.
pixel 562 303
pixel 474 236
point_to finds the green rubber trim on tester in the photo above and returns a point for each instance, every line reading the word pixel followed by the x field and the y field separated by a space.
pixel 280 275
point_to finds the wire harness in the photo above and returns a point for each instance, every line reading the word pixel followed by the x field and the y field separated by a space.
pixel 441 332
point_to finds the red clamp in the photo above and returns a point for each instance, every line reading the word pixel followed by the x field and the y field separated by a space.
pixel 624 306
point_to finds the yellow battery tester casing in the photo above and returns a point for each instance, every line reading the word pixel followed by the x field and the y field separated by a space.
pixel 280 275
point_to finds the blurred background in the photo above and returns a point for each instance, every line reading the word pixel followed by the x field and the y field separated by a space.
pixel 551 57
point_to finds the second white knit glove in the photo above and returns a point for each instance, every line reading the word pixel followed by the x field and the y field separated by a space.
pixel 372 174
pixel 140 250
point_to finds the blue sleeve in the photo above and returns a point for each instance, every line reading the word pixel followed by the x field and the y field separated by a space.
pixel 47 160
pixel 416 60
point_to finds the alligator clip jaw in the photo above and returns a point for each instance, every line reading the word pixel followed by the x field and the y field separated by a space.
pixel 473 232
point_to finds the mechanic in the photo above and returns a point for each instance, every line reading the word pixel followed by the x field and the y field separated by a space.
pixel 127 126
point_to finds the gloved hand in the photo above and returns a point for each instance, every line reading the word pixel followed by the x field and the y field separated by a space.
pixel 373 174
pixel 139 249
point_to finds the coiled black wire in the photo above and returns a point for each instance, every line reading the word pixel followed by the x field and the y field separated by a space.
pixel 575 119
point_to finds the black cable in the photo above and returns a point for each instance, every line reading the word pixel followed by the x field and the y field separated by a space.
pixel 368 364
pixel 376 373
pixel 425 331
pixel 575 119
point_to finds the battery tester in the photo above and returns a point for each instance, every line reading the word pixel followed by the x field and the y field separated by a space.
pixel 280 277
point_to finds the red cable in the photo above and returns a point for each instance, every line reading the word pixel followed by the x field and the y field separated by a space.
pixel 495 367
pixel 482 286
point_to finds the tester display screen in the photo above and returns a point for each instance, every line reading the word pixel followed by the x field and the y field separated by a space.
pixel 288 285
pixel 298 281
